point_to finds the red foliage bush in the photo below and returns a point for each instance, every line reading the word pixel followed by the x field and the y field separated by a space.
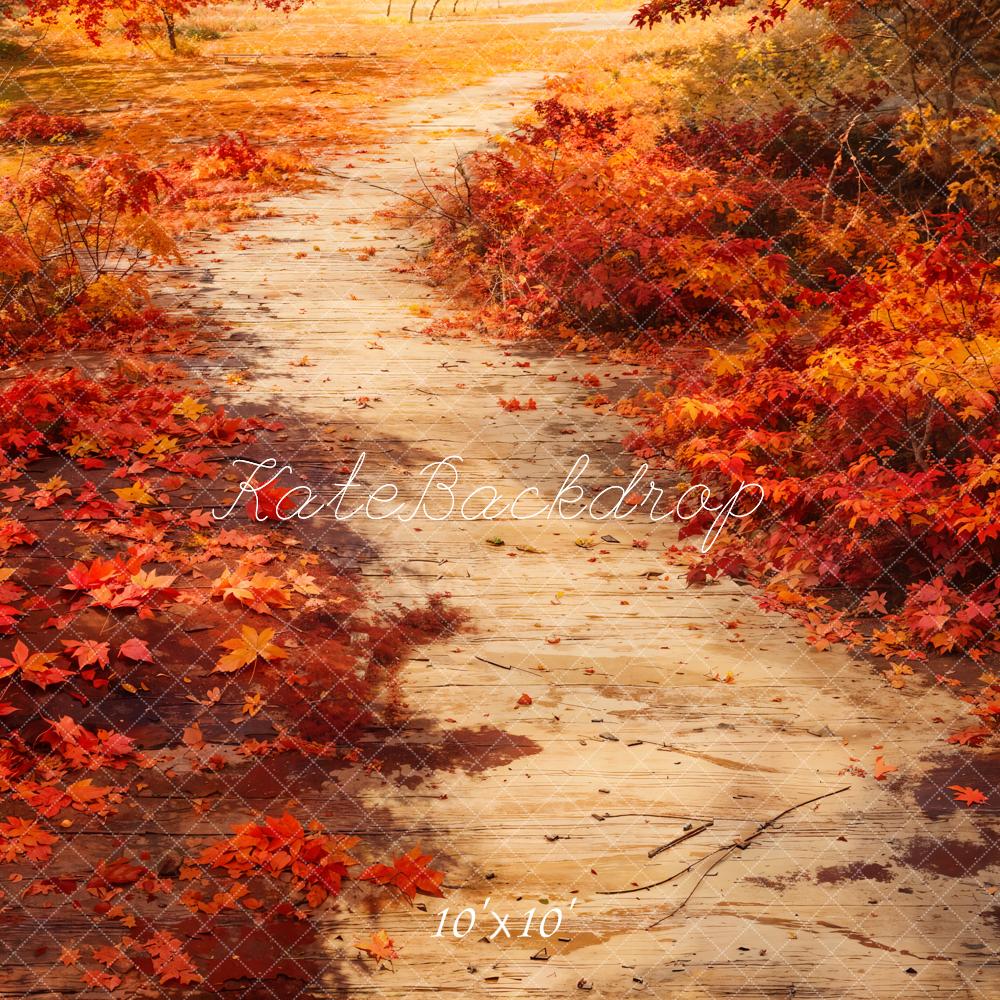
pixel 229 156
pixel 77 231
pixel 574 220
pixel 819 342
pixel 875 436
pixel 29 124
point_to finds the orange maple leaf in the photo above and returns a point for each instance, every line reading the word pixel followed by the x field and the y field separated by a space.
pixel 970 796
pixel 108 955
pixel 84 791
pixel 116 871
pixel 34 667
pixel 102 980
pixel 408 873
pixel 882 768
pixel 88 652
pixel 170 963
pixel 258 592
pixel 136 493
pixel 969 737
pixel 193 737
pixel 379 946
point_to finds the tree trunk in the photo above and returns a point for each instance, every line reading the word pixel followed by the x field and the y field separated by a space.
pixel 413 7
pixel 388 9
pixel 430 16
pixel 168 20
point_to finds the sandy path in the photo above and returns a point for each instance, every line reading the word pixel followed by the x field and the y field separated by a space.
pixel 851 897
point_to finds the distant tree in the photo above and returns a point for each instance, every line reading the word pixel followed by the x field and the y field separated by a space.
pixel 92 17
pixel 946 45
pixel 947 51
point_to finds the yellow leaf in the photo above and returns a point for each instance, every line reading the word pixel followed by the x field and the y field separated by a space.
pixel 189 407
pixel 249 647
pixel 136 493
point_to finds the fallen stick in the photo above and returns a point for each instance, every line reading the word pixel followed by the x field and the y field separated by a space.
pixel 663 881
pixel 680 839
pixel 740 845
pixel 601 817
pixel 504 666
pixel 493 663
pixel 727 849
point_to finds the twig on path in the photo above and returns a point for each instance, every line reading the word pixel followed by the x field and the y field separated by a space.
pixel 493 663
pixel 663 881
pixel 701 878
pixel 738 845
pixel 389 190
pixel 680 839
pixel 601 817
pixel 505 666
pixel 720 854
pixel 433 196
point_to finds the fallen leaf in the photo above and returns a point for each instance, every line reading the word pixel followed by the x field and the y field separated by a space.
pixel 193 737
pixel 250 646
pixel 135 649
pixel 882 768
pixel 379 946
pixel 969 796
pixel 408 873
pixel 969 737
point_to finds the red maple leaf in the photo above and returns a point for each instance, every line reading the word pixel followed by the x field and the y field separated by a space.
pixel 84 577
pixel 267 501
pixel 135 649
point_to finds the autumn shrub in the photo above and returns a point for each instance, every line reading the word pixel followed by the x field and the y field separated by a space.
pixel 731 75
pixel 874 430
pixel 228 156
pixel 75 232
pixel 587 219
pixel 235 157
pixel 200 32
pixel 30 124
pixel 957 156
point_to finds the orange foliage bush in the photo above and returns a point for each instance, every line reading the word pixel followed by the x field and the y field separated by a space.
pixel 875 435
pixel 75 232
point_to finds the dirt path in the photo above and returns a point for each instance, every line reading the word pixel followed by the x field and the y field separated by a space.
pixel 854 896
